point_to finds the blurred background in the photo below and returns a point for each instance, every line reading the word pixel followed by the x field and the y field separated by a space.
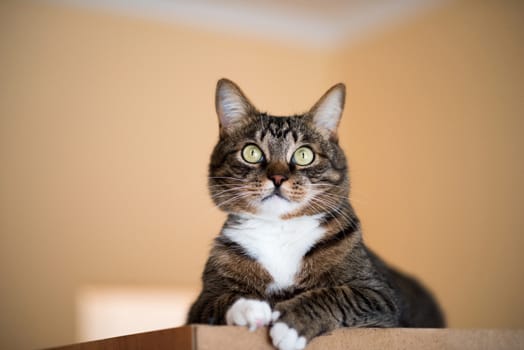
pixel 107 122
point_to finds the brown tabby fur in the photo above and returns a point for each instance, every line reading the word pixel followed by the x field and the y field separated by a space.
pixel 341 283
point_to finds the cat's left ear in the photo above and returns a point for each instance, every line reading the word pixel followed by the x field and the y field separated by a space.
pixel 326 113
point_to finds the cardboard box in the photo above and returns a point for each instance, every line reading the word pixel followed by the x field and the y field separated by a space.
pixel 197 337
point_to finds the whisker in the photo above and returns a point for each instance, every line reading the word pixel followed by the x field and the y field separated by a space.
pixel 350 196
pixel 334 195
pixel 327 185
pixel 334 205
pixel 227 177
pixel 234 198
pixel 322 206
pixel 229 190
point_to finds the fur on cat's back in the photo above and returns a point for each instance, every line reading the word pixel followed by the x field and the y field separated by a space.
pixel 290 254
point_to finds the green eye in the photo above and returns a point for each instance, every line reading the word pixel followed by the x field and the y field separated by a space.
pixel 252 154
pixel 303 156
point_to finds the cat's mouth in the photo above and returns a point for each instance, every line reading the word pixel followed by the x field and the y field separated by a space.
pixel 275 194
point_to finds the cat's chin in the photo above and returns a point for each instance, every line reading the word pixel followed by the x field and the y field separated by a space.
pixel 275 207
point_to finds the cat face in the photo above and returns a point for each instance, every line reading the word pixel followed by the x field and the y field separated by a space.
pixel 277 167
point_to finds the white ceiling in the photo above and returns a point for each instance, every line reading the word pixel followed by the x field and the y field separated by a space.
pixel 311 23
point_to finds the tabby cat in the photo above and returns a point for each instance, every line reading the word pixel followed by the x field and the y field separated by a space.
pixel 290 254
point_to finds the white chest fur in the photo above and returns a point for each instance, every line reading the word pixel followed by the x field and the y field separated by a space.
pixel 278 245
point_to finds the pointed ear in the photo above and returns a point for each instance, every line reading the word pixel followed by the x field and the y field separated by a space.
pixel 325 114
pixel 231 104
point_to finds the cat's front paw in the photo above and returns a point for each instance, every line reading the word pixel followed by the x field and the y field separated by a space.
pixel 249 312
pixel 286 338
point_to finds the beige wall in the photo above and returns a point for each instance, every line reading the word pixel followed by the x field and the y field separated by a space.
pixel 106 125
pixel 434 130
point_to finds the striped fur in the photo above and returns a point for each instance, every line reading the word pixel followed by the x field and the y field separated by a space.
pixel 295 246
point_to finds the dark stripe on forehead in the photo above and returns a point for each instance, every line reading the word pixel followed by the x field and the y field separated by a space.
pixel 279 128
pixel 261 125
pixel 295 136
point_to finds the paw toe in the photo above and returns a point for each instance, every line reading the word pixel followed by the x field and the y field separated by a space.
pixel 286 338
pixel 251 313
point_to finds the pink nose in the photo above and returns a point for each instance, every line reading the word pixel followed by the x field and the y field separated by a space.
pixel 278 179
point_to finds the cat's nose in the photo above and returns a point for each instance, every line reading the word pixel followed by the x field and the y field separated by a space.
pixel 278 179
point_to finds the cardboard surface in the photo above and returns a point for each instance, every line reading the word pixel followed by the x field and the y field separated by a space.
pixel 198 337
pixel 181 338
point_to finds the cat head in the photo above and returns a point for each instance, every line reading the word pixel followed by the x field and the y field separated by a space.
pixel 277 167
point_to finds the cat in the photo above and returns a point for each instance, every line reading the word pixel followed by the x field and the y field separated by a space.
pixel 290 254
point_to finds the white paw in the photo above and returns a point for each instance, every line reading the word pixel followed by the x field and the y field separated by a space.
pixel 285 338
pixel 249 312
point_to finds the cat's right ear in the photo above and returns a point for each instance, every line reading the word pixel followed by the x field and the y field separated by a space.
pixel 231 104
